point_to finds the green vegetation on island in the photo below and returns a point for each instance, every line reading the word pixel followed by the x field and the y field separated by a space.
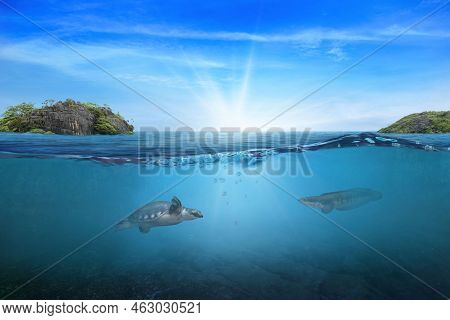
pixel 64 117
pixel 424 122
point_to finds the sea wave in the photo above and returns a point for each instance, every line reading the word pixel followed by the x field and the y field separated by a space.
pixel 126 151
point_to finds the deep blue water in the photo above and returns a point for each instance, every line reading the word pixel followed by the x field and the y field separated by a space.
pixel 256 241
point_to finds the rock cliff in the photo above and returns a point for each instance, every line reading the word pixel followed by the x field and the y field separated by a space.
pixel 64 117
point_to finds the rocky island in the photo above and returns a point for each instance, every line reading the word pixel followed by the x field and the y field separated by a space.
pixel 64 117
pixel 424 122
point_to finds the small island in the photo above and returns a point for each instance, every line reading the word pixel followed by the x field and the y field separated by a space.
pixel 64 117
pixel 424 122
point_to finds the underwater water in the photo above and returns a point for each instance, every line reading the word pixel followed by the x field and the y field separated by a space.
pixel 255 241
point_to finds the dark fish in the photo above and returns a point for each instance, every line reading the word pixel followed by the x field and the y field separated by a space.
pixel 342 200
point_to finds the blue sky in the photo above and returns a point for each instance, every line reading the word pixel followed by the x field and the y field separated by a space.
pixel 230 63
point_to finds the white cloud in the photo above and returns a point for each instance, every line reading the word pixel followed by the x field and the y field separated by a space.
pixel 166 81
pixel 362 109
pixel 40 53
pixel 337 53
pixel 394 30
pixel 308 37
pixel 55 55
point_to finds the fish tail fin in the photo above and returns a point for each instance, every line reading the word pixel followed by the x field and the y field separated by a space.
pixel 124 224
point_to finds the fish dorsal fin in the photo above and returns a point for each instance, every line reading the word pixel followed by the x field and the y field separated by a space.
pixel 330 193
pixel 176 206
